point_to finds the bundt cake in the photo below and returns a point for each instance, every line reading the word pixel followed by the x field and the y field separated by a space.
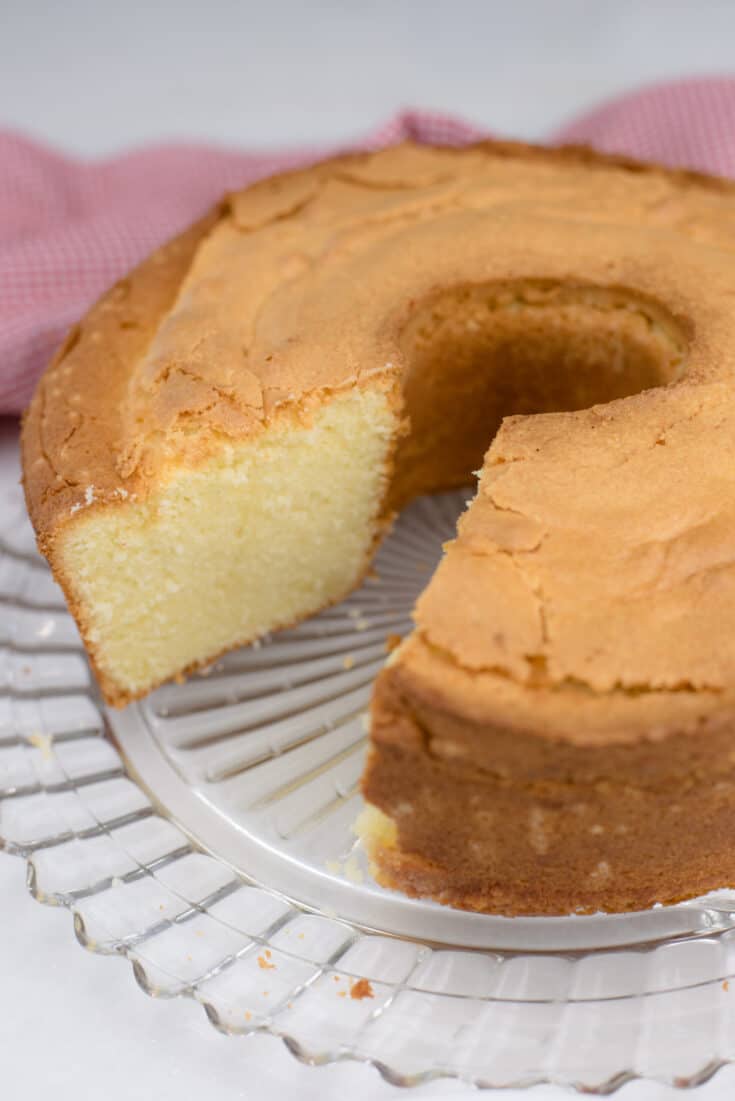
pixel 220 444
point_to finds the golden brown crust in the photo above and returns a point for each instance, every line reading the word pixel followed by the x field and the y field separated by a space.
pixel 620 818
pixel 306 283
pixel 559 849
pixel 73 427
pixel 82 427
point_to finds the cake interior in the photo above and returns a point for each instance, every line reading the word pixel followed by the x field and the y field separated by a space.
pixel 261 535
pixel 274 527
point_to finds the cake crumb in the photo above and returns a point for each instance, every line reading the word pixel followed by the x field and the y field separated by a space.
pixel 352 869
pixel 348 662
pixel 392 642
pixel 248 1015
pixel 601 872
pixel 265 964
pixel 726 985
pixel 361 989
pixel 88 500
pixel 44 743
pixel 538 832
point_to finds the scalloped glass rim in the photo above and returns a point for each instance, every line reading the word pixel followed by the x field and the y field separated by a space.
pixel 232 866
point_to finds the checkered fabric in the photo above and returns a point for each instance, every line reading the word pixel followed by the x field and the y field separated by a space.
pixel 69 228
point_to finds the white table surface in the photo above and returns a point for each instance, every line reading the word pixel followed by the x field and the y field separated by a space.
pixel 93 77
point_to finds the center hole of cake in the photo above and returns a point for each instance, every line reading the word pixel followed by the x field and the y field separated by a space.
pixel 478 354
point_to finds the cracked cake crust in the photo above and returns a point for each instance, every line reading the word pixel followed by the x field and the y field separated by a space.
pixel 573 661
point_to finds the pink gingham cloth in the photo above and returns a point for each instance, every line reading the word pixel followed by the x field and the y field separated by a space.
pixel 69 228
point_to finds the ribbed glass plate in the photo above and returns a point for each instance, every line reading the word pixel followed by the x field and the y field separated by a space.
pixel 205 834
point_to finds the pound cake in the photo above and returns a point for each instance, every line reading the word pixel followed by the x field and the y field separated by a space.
pixel 221 443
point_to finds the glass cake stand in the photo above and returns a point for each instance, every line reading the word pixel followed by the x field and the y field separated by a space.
pixel 205 833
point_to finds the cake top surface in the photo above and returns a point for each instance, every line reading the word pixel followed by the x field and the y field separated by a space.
pixel 220 326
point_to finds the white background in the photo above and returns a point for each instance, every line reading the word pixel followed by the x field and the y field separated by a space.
pixel 96 77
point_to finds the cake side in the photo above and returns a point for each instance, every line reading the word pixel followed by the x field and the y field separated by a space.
pixel 496 849
pixel 580 804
